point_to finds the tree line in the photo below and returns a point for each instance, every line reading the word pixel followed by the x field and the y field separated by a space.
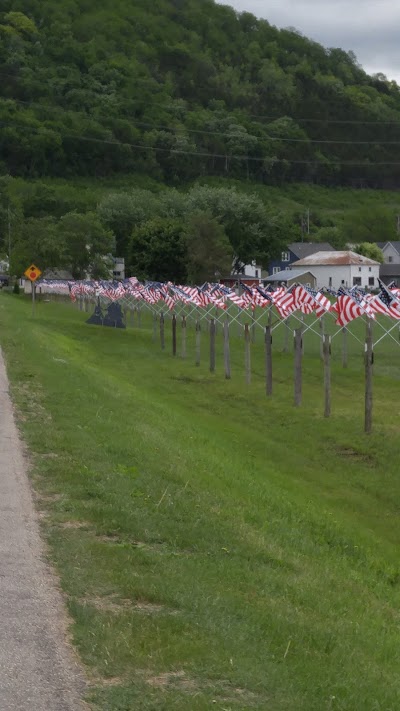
pixel 177 89
pixel 191 235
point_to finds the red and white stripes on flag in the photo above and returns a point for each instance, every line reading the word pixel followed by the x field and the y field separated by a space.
pixel 347 310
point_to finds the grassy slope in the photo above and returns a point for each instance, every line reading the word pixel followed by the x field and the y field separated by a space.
pixel 323 202
pixel 233 552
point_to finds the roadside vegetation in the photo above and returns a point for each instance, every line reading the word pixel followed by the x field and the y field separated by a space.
pixel 216 548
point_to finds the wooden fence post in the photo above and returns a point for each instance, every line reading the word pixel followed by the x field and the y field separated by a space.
pixel 212 345
pixel 321 328
pixel 298 355
pixel 198 342
pixel 327 374
pixel 183 336
pixel 344 347
pixel 227 353
pixel 268 360
pixel 162 333
pixel 239 324
pixel 286 335
pixel 174 335
pixel 247 357
pixel 369 359
pixel 253 327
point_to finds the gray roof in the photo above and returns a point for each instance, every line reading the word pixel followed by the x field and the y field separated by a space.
pixel 304 249
pixel 287 275
pixel 395 244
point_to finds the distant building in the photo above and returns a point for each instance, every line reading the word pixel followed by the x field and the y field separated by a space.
pixel 249 274
pixel 335 269
pixel 296 251
pixel 119 268
pixel 292 276
pixel 390 269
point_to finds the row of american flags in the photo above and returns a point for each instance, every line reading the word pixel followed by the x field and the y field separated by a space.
pixel 345 304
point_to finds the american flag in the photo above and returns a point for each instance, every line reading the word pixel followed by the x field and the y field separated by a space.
pixel 265 296
pixel 386 302
pixel 303 299
pixel 347 309
pixel 285 303
pixel 323 305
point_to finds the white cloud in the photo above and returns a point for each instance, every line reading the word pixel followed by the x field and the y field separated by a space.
pixel 367 27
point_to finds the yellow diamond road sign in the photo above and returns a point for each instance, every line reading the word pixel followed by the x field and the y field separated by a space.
pixel 32 273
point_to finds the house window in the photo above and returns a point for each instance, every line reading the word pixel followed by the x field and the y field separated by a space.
pixel 390 260
pixel 276 270
pixel 256 273
pixel 342 282
pixel 359 269
pixel 285 256
pixel 356 281
pixel 371 281
pixel 370 269
pixel 330 281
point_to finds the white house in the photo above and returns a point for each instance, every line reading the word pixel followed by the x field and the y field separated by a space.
pixel 119 268
pixel 390 269
pixel 335 269
pixel 251 271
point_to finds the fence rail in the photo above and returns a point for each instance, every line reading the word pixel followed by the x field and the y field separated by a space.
pixel 255 326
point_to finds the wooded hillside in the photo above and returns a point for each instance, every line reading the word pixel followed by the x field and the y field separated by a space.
pixel 177 89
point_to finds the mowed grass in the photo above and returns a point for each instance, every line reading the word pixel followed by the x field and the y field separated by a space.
pixel 217 549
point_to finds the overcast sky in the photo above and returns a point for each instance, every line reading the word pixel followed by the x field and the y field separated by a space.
pixel 368 27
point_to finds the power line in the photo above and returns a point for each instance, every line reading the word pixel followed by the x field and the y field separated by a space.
pixel 153 83
pixel 184 129
pixel 201 154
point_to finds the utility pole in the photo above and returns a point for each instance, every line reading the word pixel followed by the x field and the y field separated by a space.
pixel 9 235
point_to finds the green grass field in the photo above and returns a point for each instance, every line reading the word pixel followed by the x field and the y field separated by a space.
pixel 217 549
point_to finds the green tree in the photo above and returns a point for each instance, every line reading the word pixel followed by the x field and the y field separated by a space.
pixel 369 224
pixel 123 212
pixel 209 252
pixel 86 240
pixel 248 224
pixel 158 250
pixel 40 242
pixel 331 234
pixel 370 250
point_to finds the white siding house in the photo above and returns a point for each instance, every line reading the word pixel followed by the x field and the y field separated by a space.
pixel 390 269
pixel 253 270
pixel 335 269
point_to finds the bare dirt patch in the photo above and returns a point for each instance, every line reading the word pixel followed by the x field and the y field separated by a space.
pixel 353 455
pixel 116 605
pixel 175 680
pixel 74 525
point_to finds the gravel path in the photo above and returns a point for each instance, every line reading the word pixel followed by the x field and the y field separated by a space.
pixel 37 668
